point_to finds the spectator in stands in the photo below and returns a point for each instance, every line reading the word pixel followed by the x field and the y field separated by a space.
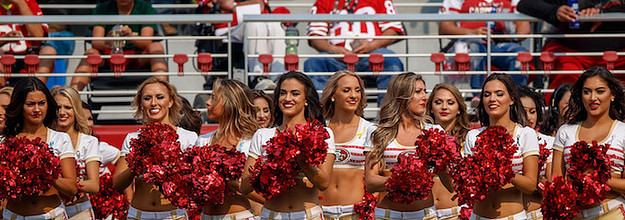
pixel 124 7
pixel 359 46
pixel 559 14
pixel 23 7
pixel 480 27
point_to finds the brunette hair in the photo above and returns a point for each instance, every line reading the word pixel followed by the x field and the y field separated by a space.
pixel 332 86
pixel 461 124
pixel 190 119
pixel 517 113
pixel 174 111
pixel 261 94
pixel 312 110
pixel 399 93
pixel 539 101
pixel 239 113
pixel 15 119
pixel 552 120
pixel 80 122
pixel 576 111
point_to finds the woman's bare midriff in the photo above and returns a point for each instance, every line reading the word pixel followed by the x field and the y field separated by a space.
pixel 386 203
pixel 35 205
pixel 300 197
pixel 346 188
pixel 608 196
pixel 82 198
pixel 442 197
pixel 532 202
pixel 148 197
pixel 232 204
pixel 503 203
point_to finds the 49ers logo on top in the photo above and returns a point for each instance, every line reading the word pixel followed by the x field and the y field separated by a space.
pixel 361 7
pixel 342 156
pixel 406 154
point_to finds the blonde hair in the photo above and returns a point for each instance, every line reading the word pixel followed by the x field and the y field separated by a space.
pixel 239 113
pixel 461 125
pixel 399 93
pixel 70 93
pixel 328 91
pixel 7 90
pixel 174 112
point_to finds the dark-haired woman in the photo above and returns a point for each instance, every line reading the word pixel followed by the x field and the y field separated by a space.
pixel 296 101
pixel 595 113
pixel 402 120
pixel 534 106
pixel 448 110
pixel 264 108
pixel 558 104
pixel 156 101
pixel 343 101
pixel 500 105
pixel 30 114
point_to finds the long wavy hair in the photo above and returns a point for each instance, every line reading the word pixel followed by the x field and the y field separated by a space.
pixel 261 94
pixel 80 121
pixel 332 86
pixel 461 125
pixel 395 105
pixel 552 120
pixel 191 119
pixel 15 119
pixel 539 101
pixel 311 111
pixel 517 113
pixel 239 115
pixel 576 111
pixel 174 112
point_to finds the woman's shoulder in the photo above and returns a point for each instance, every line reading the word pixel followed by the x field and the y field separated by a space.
pixel 265 131
pixel 184 133
pixel 89 138
pixel 568 128
pixel 55 135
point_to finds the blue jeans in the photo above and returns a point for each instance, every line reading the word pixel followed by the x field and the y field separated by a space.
pixel 507 63
pixel 321 64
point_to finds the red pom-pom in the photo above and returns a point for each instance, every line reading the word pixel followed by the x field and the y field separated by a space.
pixel 27 167
pixel 140 159
pixel 589 171
pixel 410 181
pixel 437 149
pixel 275 173
pixel 109 201
pixel 366 208
pixel 488 169
pixel 559 200
pixel 543 156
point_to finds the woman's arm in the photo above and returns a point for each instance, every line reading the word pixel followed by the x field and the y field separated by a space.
pixel 318 176
pixel 246 187
pixel 557 167
pixel 373 180
pixel 66 184
pixel 123 176
pixel 527 181
pixel 92 183
pixel 616 183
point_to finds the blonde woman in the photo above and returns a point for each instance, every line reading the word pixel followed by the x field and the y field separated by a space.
pixel 343 100
pixel 5 99
pixel 296 101
pixel 156 101
pixel 71 120
pixel 448 110
pixel 230 105
pixel 401 121
pixel 31 114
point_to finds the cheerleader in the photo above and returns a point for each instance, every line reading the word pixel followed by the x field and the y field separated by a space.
pixel 71 120
pixel 297 101
pixel 595 113
pixel 343 100
pixel 156 101
pixel 533 104
pixel 500 105
pixel 108 153
pixel 558 103
pixel 401 121
pixel 264 108
pixel 446 106
pixel 30 114
pixel 231 107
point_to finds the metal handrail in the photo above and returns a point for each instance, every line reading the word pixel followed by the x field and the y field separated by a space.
pixel 192 6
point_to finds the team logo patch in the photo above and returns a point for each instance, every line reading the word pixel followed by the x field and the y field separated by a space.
pixel 342 155
pixel 406 154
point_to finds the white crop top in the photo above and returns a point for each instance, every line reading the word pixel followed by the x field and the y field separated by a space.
pixel 205 139
pixel 524 137
pixel 185 137
pixel 109 155
pixel 548 142
pixel 393 149
pixel 350 155
pixel 263 135
pixel 87 150
pixel 568 134
pixel 61 144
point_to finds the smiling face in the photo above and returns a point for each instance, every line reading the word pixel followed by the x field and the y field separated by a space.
pixel 596 96
pixel 35 108
pixel 66 117
pixel 292 99
pixel 530 109
pixel 5 99
pixel 214 107
pixel 263 112
pixel 347 94
pixel 445 107
pixel 155 102
pixel 496 99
